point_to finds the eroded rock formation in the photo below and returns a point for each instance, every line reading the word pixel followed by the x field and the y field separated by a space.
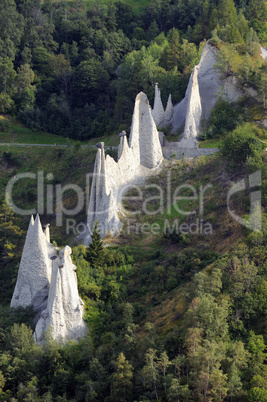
pixel 136 160
pixel 63 314
pixel 146 145
pixel 194 108
pixel 49 284
pixel 168 112
pixel 161 118
pixel 210 85
pixel 158 110
pixel 35 268
pixel 204 87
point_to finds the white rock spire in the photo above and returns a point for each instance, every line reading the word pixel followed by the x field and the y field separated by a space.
pixel 210 87
pixel 161 118
pixel 101 203
pixel 144 138
pixel 194 110
pixel 63 316
pixel 158 110
pixel 52 291
pixel 168 112
pixel 34 271
pixel 135 160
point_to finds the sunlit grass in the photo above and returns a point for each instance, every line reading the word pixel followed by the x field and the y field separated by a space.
pixel 20 134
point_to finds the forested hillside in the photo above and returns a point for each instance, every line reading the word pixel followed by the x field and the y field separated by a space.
pixel 171 317
pixel 74 68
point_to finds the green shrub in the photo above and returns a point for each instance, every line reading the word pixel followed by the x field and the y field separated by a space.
pixel 6 103
pixel 4 126
pixel 255 239
pixel 225 117
pixel 180 238
pixel 242 147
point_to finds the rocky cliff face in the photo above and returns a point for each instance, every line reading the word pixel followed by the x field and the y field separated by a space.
pixel 49 284
pixel 204 88
pixel 210 85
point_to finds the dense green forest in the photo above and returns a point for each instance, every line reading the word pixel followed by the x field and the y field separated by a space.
pixel 171 317
pixel 74 68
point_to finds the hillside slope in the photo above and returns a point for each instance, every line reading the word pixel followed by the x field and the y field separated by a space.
pixel 156 291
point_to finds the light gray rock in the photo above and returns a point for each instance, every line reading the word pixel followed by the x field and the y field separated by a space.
pixel 110 179
pixel 47 232
pixel 49 284
pixel 168 112
pixel 144 139
pixel 102 207
pixel 178 115
pixel 158 110
pixel 162 118
pixel 62 317
pixel 34 274
pixel 263 53
pixel 194 110
pixel 210 87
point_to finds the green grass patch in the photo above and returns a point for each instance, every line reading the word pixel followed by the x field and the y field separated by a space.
pixel 13 132
pixel 110 140
pixel 213 143
pixel 16 132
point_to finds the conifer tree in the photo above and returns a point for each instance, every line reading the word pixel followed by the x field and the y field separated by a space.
pixel 263 89
pixel 121 380
pixel 173 54
pixel 95 254
pixel 227 12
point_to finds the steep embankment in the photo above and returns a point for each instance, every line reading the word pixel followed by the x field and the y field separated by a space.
pixel 171 242
pixel 144 296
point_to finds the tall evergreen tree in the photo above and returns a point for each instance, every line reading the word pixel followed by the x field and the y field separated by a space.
pixel 121 380
pixel 94 254
pixel 263 89
pixel 173 52
pixel 227 12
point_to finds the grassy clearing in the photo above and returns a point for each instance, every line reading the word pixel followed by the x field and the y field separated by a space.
pixel 110 140
pixel 213 143
pixel 17 133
